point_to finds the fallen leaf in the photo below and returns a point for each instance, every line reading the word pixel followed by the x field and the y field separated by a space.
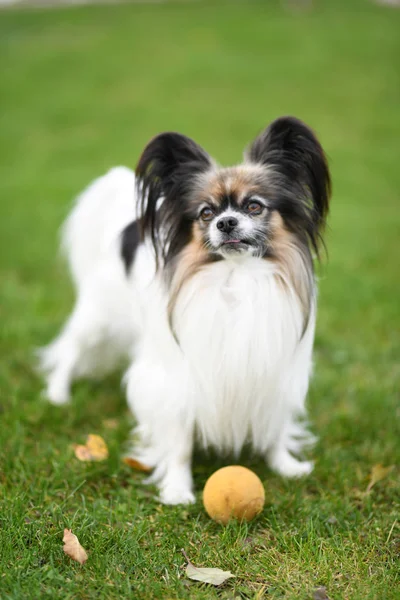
pixel 206 575
pixel 320 594
pixel 95 449
pixel 73 548
pixel 378 472
pixel 135 464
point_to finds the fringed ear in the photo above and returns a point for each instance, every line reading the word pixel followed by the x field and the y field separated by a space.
pixel 165 175
pixel 291 148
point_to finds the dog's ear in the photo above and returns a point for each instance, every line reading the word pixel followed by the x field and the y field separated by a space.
pixel 292 149
pixel 169 157
pixel 165 174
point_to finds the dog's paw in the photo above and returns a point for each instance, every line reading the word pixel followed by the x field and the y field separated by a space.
pixel 286 465
pixel 176 495
pixel 56 396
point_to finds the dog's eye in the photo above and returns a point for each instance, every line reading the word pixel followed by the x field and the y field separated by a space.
pixel 254 207
pixel 207 214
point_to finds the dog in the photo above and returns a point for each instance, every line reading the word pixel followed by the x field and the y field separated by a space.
pixel 202 278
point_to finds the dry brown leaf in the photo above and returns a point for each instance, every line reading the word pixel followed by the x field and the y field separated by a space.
pixel 73 548
pixel 135 464
pixel 378 472
pixel 206 575
pixel 95 449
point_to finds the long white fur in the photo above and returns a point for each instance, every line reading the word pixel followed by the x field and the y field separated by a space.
pixel 239 374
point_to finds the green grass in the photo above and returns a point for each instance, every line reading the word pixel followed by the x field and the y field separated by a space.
pixel 82 89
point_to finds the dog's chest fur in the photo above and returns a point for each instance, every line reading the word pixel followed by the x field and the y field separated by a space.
pixel 238 327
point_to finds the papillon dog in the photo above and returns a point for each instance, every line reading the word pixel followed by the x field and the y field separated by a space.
pixel 202 278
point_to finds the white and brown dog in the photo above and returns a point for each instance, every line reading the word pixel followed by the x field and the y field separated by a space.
pixel 203 278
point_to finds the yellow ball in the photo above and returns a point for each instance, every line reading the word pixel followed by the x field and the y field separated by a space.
pixel 233 493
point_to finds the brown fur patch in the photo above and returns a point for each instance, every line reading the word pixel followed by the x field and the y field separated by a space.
pixel 294 261
pixel 189 262
pixel 237 182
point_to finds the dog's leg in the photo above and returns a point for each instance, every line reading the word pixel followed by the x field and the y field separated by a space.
pixel 291 434
pixel 157 397
pixel 173 474
pixel 70 354
pixel 291 438
pixel 59 360
pixel 283 462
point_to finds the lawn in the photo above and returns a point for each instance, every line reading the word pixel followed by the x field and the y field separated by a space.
pixel 82 89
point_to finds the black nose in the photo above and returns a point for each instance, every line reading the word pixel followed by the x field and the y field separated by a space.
pixel 226 224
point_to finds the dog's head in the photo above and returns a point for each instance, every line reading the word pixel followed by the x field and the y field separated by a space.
pixel 273 206
pixel 277 197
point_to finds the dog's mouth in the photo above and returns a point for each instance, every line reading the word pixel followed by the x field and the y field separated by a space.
pixel 236 243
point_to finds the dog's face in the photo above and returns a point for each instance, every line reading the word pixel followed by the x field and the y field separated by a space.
pixel 231 211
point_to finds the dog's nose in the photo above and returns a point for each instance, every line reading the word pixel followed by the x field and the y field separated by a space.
pixel 226 224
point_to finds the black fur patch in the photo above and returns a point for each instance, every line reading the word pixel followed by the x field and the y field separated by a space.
pixel 130 239
pixel 303 183
pixel 166 171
